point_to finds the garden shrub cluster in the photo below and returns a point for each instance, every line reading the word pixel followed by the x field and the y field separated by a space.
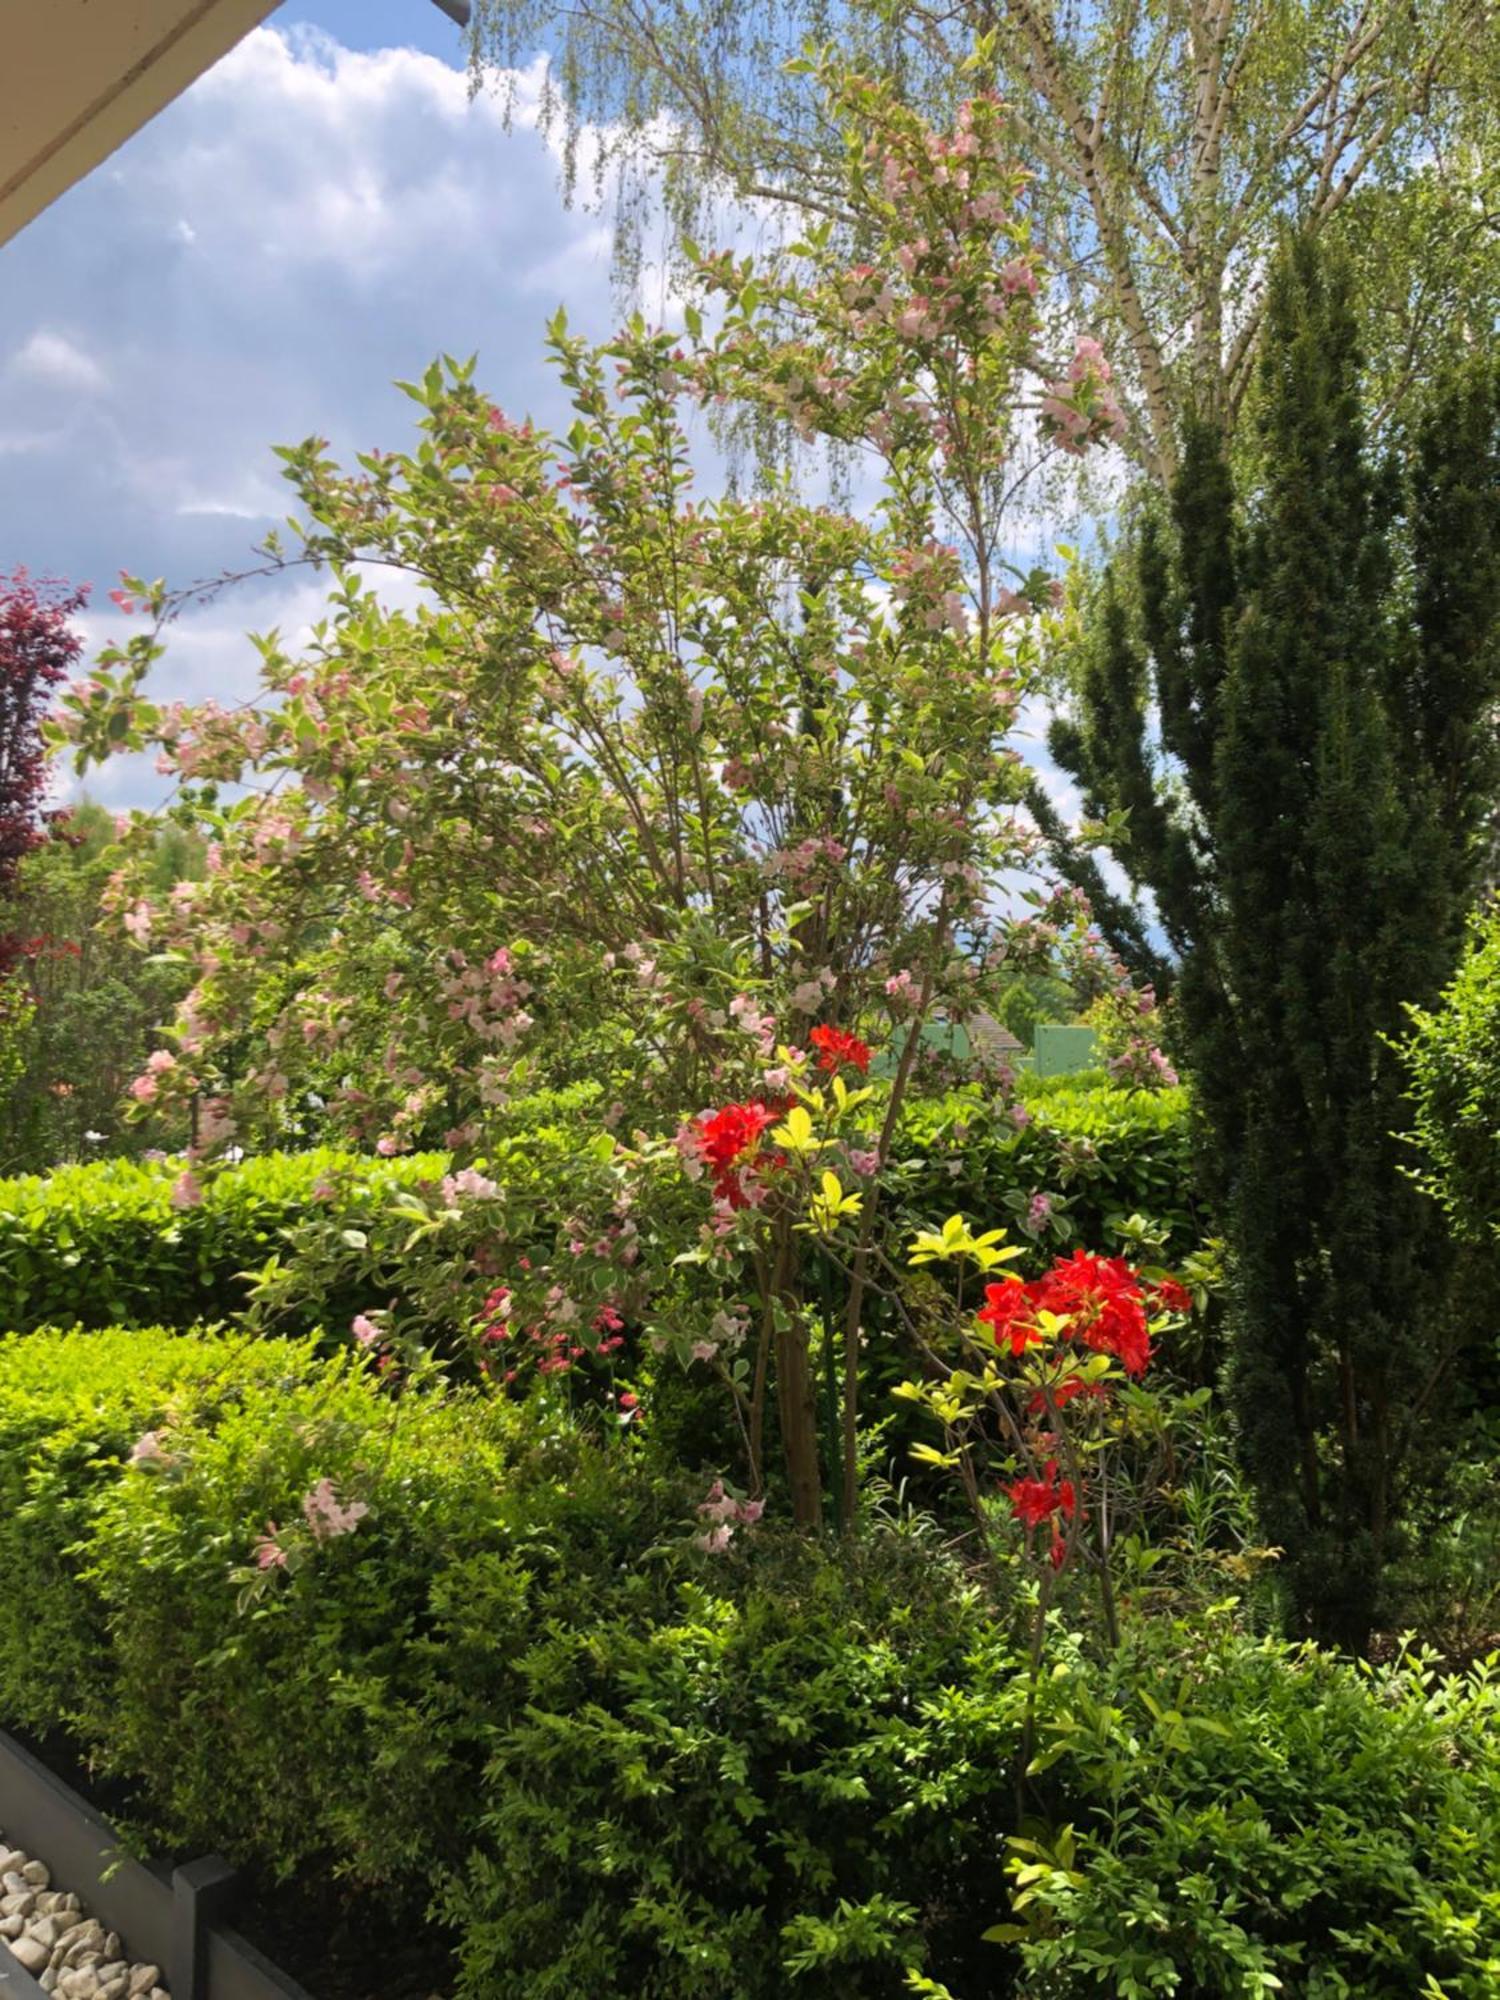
pixel 1096 1152
pixel 516 1538
pixel 110 1244
pixel 107 1245
pixel 509 1686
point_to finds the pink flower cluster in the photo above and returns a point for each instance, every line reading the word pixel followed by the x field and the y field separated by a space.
pixel 1081 409
pixel 724 1513
pixel 327 1517
pixel 486 998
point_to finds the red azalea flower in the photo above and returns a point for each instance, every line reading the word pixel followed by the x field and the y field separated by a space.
pixel 725 1136
pixel 836 1046
pixel 1011 1311
pixel 1173 1297
pixel 1063 1393
pixel 1037 1500
pixel 1101 1297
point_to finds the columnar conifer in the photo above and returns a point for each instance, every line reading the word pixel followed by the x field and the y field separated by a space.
pixel 1287 696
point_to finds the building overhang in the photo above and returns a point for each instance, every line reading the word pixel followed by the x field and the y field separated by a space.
pixel 83 75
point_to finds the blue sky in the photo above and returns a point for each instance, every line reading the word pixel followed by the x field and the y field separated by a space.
pixel 320 214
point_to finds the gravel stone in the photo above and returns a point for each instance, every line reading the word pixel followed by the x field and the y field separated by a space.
pixel 26 1951
pixel 69 1953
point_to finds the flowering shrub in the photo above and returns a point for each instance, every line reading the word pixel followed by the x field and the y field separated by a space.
pixel 1129 1027
pixel 1034 1390
pixel 37 649
pixel 785 1762
pixel 756 753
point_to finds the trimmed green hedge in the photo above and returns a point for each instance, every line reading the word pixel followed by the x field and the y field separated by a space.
pixel 1101 1152
pixel 339 1723
pixel 103 1245
pixel 516 1693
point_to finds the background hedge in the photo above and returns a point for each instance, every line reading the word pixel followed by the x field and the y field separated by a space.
pixel 103 1245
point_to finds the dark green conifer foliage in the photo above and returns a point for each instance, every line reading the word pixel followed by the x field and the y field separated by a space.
pixel 1289 692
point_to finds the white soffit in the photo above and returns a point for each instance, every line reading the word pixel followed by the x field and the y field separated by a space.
pixel 78 77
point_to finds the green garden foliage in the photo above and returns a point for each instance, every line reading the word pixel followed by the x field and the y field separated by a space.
pixel 1454 1060
pixel 1285 713
pixel 71 1409
pixel 796 1774
pixel 93 1000
pixel 1248 1817
pixel 329 1720
pixel 514 1689
pixel 106 1245
pixel 1099 1152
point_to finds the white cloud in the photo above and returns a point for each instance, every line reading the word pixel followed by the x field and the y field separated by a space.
pixel 302 228
pixel 58 362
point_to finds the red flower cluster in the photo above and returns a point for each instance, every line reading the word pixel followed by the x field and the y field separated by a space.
pixel 1100 1298
pixel 836 1046
pixel 1172 1297
pixel 1037 1501
pixel 725 1137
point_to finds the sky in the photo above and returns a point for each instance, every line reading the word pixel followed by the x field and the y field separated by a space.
pixel 322 213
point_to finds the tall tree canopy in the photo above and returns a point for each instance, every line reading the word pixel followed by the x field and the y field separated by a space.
pixel 1169 141
pixel 1287 709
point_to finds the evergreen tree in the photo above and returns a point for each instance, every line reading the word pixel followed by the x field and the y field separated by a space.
pixel 1288 693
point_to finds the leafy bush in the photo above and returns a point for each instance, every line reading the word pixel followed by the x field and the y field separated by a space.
pixel 804 1775
pixel 71 1408
pixel 340 1723
pixel 620 1766
pixel 1100 1154
pixel 1246 1816
pixel 1454 1060
pixel 103 1245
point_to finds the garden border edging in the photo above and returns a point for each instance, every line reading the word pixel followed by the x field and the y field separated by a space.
pixel 172 1920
